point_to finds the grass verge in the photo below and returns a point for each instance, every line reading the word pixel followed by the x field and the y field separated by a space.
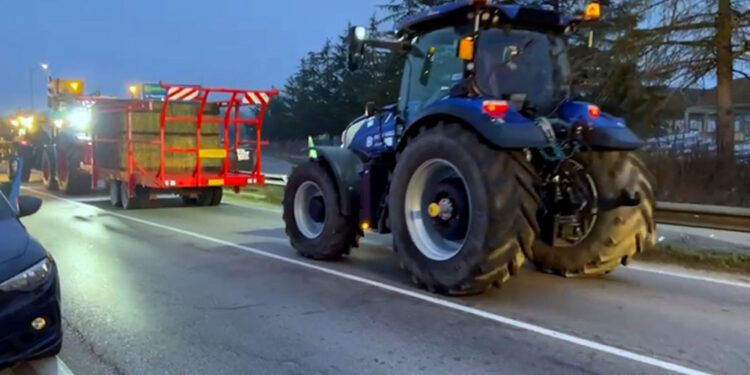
pixel 694 258
pixel 268 194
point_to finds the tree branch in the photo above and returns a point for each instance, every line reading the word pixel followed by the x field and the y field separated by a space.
pixel 747 76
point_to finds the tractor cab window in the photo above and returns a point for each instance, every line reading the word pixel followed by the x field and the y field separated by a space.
pixel 523 64
pixel 431 70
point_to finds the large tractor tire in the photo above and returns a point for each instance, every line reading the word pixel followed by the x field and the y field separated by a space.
pixel 612 237
pixel 462 212
pixel 49 170
pixel 314 223
pixel 70 179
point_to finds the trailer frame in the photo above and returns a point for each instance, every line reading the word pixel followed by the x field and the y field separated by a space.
pixel 135 174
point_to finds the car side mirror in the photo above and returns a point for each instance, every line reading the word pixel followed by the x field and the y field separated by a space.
pixel 28 205
pixel 356 55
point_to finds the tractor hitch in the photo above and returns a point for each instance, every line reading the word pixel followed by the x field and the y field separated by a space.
pixel 625 199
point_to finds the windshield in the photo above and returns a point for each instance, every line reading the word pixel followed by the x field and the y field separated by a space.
pixel 523 65
pixel 431 71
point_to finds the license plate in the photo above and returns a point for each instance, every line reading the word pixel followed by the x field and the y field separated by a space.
pixel 243 155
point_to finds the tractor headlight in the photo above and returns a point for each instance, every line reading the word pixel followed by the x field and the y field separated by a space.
pixel 27 122
pixel 30 279
pixel 80 118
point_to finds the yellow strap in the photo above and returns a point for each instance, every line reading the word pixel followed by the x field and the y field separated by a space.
pixel 213 153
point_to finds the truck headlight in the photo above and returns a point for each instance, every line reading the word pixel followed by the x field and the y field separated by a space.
pixel 30 279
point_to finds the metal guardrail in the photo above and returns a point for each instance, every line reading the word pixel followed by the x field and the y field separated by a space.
pixel 276 179
pixel 735 219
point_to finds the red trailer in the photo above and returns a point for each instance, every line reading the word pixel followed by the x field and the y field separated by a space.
pixel 134 185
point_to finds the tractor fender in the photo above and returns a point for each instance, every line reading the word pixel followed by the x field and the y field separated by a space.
pixel 612 138
pixel 514 133
pixel 344 165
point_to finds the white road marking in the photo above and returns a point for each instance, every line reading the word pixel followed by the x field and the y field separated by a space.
pixel 644 359
pixel 44 366
pixel 685 275
pixel 50 366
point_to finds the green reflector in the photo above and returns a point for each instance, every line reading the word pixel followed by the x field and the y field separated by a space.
pixel 312 152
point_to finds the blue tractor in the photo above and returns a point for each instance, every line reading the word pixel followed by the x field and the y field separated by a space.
pixel 484 162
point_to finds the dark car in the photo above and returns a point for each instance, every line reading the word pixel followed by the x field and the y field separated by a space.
pixel 30 324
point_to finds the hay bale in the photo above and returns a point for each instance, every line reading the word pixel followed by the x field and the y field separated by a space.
pixel 145 127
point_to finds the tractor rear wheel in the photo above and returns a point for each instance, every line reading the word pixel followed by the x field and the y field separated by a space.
pixel 314 223
pixel 70 179
pixel 461 212
pixel 605 238
pixel 49 177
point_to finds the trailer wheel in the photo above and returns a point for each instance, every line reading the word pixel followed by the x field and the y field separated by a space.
pixel 313 220
pixel 218 194
pixel 114 193
pixel 134 202
pixel 461 211
pixel 613 236
pixel 49 178
pixel 205 197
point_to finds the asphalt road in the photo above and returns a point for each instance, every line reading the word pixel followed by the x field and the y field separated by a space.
pixel 218 290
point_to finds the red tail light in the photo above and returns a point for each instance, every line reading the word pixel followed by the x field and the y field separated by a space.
pixel 495 108
pixel 594 111
pixel 24 142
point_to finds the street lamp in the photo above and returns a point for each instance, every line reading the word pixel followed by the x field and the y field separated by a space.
pixel 44 66
pixel 133 91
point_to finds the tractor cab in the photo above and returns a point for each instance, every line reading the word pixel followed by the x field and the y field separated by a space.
pixel 506 62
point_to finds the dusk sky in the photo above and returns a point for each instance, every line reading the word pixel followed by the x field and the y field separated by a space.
pixel 112 43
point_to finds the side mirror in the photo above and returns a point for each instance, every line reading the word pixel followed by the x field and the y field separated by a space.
pixel 28 205
pixel 356 55
pixel 370 109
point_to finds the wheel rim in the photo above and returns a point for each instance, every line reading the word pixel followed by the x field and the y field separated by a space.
pixel 309 209
pixel 114 192
pixel 573 228
pixel 437 209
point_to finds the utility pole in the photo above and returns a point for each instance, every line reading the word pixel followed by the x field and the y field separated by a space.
pixel 31 88
pixel 724 76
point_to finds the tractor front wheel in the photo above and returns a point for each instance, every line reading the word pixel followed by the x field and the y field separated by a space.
pixel 592 241
pixel 461 211
pixel 49 178
pixel 315 225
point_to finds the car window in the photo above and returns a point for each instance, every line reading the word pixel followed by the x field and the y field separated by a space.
pixel 5 211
